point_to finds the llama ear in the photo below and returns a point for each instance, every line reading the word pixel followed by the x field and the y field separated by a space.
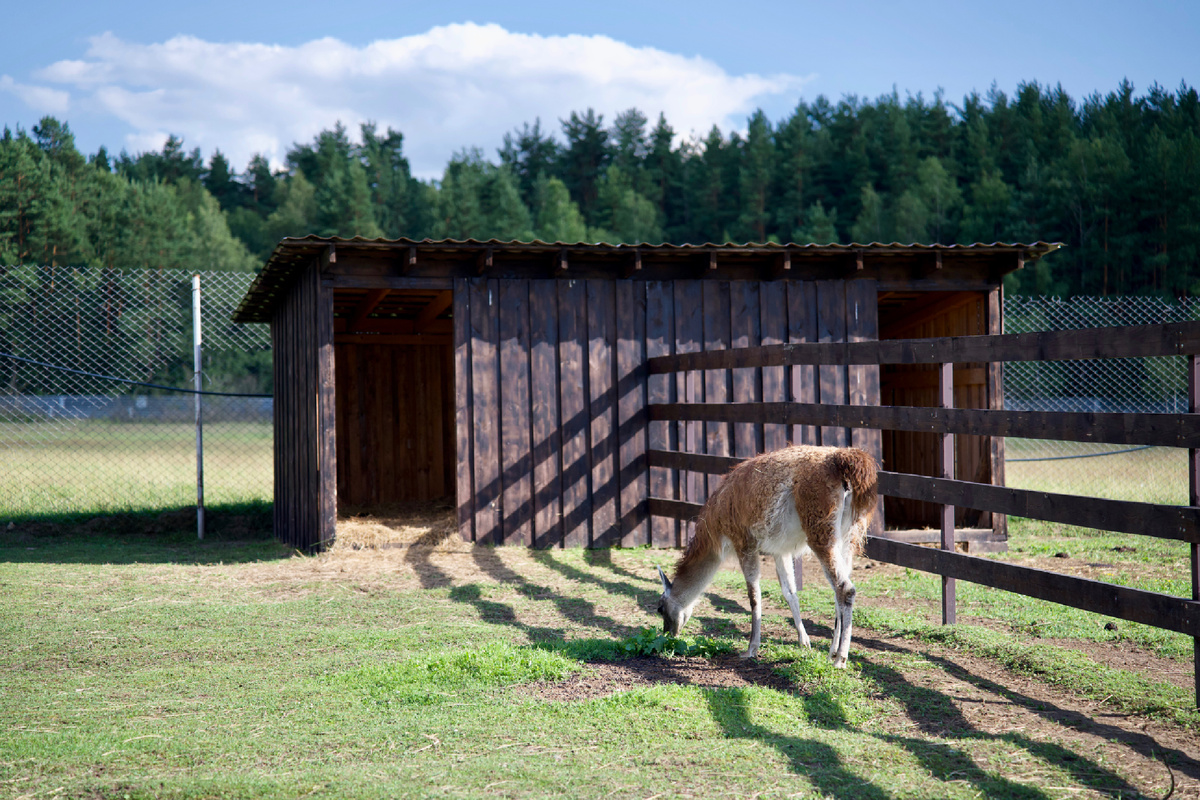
pixel 666 583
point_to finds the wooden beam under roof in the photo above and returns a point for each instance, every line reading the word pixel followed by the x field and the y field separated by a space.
pixel 369 304
pixel 432 310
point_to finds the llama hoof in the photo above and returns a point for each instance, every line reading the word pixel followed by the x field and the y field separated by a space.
pixel 749 654
pixel 838 663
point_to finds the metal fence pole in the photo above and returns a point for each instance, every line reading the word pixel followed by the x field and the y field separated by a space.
pixel 196 364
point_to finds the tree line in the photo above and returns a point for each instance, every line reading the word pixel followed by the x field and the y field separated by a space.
pixel 1113 176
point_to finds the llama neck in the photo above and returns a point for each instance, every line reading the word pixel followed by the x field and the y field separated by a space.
pixel 694 575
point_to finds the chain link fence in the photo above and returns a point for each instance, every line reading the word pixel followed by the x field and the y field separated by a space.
pixel 95 412
pixel 1156 385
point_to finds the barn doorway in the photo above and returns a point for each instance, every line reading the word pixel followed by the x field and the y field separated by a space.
pixel 394 397
pixel 921 315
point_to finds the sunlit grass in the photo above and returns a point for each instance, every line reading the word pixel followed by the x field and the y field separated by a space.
pixel 105 467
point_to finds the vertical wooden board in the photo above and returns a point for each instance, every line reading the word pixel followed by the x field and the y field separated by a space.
pixel 449 431
pixel 401 434
pixel 831 327
pixel 746 383
pixel 485 373
pixel 602 397
pixel 631 411
pixel 802 327
pixel 284 378
pixel 390 388
pixel 573 371
pixel 375 375
pixel 546 437
pixel 717 437
pixel 340 389
pixel 308 452
pixel 661 435
pixel 689 338
pixel 327 424
pixel 464 477
pixel 862 325
pixel 291 420
pixel 516 461
pixel 278 433
pixel 435 359
pixel 772 303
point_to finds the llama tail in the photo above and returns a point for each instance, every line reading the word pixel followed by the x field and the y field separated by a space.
pixel 861 475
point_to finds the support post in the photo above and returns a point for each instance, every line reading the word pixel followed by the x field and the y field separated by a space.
pixel 198 383
pixel 946 470
pixel 1193 500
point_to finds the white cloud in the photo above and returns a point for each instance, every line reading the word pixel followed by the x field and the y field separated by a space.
pixel 40 98
pixel 451 87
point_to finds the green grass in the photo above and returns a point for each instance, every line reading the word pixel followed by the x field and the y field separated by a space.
pixel 142 663
pixel 1152 475
pixel 102 467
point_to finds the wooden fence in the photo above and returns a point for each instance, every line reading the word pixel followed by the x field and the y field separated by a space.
pixel 1147 519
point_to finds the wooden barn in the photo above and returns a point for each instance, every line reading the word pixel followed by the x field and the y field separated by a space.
pixel 511 376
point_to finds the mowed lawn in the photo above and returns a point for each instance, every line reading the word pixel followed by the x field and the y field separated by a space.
pixel 80 466
pixel 139 662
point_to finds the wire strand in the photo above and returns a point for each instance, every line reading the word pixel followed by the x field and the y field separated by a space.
pixel 127 380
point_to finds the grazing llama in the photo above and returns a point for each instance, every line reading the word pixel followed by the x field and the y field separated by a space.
pixel 782 504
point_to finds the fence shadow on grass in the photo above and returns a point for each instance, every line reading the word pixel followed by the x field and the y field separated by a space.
pixel 1145 744
pixel 235 533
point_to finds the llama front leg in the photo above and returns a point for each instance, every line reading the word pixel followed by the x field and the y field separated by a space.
pixel 787 581
pixel 752 569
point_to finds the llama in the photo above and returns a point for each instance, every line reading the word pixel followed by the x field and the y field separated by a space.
pixel 782 504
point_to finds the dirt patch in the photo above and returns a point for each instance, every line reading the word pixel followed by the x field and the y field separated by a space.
pixel 602 678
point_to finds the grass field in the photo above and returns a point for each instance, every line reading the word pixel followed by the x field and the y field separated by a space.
pixel 141 663
pixel 103 467
pixel 1151 475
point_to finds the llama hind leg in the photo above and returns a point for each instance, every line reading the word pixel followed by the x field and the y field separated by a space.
pixel 836 565
pixel 751 568
pixel 787 581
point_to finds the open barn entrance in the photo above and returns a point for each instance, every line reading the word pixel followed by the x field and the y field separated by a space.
pixel 394 396
pixel 921 315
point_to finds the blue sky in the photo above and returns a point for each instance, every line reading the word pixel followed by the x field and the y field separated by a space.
pixel 256 76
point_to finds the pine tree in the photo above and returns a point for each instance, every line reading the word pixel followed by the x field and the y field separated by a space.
pixel 585 158
pixel 529 156
pixel 754 177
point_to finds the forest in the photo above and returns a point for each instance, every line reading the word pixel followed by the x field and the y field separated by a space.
pixel 1114 177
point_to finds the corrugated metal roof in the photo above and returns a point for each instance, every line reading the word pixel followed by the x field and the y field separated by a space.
pixel 294 252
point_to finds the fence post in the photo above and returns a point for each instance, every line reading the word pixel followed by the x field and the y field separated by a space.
pixel 196 364
pixel 946 470
pixel 1194 500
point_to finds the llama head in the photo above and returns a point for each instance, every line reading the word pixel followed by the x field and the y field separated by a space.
pixel 674 614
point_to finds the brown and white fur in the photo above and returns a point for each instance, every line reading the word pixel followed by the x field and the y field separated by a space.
pixel 783 504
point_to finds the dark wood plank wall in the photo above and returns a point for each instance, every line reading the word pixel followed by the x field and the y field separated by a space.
pixel 951 314
pixel 395 423
pixel 660 336
pixel 305 466
pixel 551 379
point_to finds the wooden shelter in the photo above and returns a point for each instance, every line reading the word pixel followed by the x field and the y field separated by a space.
pixel 511 376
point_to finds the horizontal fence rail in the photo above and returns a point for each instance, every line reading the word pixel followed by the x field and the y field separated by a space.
pixel 1181 523
pixel 1133 341
pixel 1134 605
pixel 1163 430
pixel 1178 430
